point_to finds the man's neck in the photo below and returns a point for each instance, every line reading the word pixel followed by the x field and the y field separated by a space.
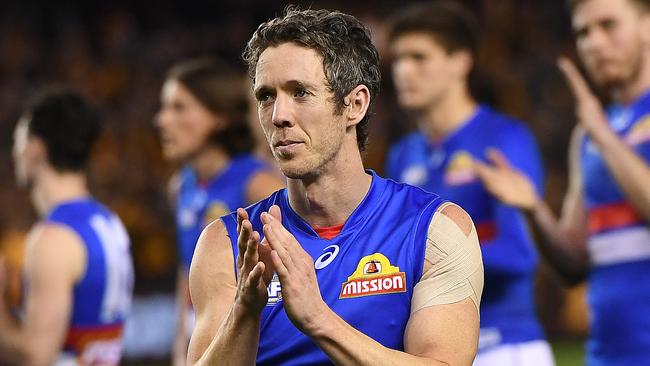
pixel 447 114
pixel 52 188
pixel 209 162
pixel 330 198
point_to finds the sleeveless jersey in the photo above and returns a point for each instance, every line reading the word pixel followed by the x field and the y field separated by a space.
pixel 366 274
pixel 510 260
pixel 198 204
pixel 619 249
pixel 102 297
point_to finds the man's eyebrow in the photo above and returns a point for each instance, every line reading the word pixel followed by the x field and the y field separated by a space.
pixel 302 84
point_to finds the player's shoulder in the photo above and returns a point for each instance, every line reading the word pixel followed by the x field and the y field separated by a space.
pixel 504 128
pixel 50 242
pixel 457 215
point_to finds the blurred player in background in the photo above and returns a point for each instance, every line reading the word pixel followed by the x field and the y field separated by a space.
pixel 203 126
pixel 434 49
pixel 603 232
pixel 352 268
pixel 78 274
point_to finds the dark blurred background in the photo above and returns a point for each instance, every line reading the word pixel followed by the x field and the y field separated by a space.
pixel 117 53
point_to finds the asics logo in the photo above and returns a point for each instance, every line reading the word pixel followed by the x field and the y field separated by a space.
pixel 326 258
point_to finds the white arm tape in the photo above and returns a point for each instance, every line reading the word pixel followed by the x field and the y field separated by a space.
pixel 454 270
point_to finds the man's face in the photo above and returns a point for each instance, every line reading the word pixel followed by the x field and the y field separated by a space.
pixel 423 71
pixel 184 123
pixel 296 110
pixel 611 40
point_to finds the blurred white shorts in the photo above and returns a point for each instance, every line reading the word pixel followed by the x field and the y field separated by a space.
pixel 535 353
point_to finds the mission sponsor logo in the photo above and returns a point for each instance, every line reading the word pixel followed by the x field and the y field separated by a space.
pixel 374 276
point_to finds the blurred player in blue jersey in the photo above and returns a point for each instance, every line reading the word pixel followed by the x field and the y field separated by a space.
pixel 78 274
pixel 603 232
pixel 343 266
pixel 433 48
pixel 203 126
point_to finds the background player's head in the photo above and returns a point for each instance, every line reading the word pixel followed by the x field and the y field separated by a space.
pixel 203 106
pixel 433 46
pixel 612 38
pixel 56 133
pixel 316 74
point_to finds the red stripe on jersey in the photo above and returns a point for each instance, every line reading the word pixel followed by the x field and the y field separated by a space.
pixel 328 232
pixel 79 336
pixel 486 231
pixel 612 216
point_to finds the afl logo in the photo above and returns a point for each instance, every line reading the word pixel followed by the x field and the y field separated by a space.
pixel 326 258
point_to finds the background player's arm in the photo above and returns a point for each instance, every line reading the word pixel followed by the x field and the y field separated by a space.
pixel 227 308
pixel 518 145
pixel 179 352
pixel 440 334
pixel 54 261
pixel 562 242
pixel 629 170
pixel 262 185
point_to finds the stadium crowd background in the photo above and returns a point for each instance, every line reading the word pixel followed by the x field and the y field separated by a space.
pixel 117 53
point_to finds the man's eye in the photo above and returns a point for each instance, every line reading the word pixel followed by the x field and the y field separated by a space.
pixel 301 93
pixel 263 98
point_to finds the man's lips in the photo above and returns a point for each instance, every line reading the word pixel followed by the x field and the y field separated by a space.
pixel 286 146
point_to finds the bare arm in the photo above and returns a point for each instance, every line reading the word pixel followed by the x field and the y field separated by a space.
pixel 179 350
pixel 54 261
pixel 629 170
pixel 180 342
pixel 228 307
pixel 562 242
pixel 445 334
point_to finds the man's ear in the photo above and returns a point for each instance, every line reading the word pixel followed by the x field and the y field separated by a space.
pixel 36 152
pixel 356 104
pixel 462 63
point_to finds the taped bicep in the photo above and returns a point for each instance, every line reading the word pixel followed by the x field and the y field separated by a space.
pixel 453 268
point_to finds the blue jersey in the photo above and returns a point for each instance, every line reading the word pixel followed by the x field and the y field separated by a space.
pixel 508 312
pixel 619 249
pixel 198 204
pixel 366 274
pixel 102 297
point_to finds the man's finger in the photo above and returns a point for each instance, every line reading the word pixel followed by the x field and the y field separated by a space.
pixel 484 171
pixel 497 158
pixel 577 83
pixel 275 212
pixel 270 233
pixel 250 255
pixel 241 216
pixel 242 238
pixel 255 275
pixel 280 268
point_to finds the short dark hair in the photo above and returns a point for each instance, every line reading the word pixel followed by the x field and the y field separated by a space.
pixel 67 124
pixel 349 57
pixel 450 23
pixel 219 88
pixel 643 5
